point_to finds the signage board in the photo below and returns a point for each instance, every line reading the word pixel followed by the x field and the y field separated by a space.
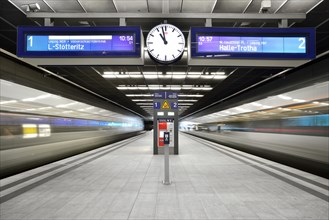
pixel 159 95
pixel 250 43
pixel 165 105
pixel 166 132
pixel 165 95
pixel 156 105
pixel 174 105
pixel 165 100
pixel 79 42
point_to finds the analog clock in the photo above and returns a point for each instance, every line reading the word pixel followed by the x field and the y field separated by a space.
pixel 165 43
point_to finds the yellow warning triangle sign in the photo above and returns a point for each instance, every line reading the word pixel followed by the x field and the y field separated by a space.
pixel 165 105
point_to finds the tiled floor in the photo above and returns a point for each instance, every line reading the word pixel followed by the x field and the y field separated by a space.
pixel 206 184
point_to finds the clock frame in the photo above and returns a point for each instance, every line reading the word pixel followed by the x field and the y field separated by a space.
pixel 165 43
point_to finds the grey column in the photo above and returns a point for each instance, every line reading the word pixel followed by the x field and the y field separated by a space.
pixel 166 180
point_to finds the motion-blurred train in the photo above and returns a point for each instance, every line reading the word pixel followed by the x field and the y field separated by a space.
pixel 44 118
pixel 300 141
pixel 29 140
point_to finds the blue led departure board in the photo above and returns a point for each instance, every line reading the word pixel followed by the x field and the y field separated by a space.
pixel 253 43
pixel 79 42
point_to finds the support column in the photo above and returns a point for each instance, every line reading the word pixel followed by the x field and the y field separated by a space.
pixel 208 22
pixel 166 180
pixel 283 23
pixel 49 22
pixel 122 22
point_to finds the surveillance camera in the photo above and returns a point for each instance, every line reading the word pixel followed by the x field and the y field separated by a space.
pixel 264 10
pixel 31 7
pixel 34 7
pixel 265 6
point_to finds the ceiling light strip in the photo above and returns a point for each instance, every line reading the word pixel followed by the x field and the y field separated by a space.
pixel 235 94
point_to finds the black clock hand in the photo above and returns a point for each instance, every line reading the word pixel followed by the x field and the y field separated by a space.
pixel 163 36
pixel 164 39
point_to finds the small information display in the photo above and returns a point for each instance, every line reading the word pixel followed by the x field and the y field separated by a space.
pixel 79 42
pixel 166 139
pixel 165 132
pixel 168 100
pixel 262 43
pixel 165 95
pixel 233 44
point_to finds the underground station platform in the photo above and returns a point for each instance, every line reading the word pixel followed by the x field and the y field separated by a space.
pixel 125 181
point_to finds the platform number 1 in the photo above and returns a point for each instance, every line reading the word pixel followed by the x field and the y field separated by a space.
pixel 30 38
pixel 156 105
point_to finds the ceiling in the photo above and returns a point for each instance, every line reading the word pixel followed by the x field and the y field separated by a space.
pixel 131 86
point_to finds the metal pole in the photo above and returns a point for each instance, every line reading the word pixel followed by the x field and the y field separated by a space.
pixel 166 180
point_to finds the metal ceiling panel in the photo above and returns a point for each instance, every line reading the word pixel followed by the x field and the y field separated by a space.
pixel 218 23
pixel 175 6
pixel 131 5
pixel 65 6
pixel 255 5
pixel 98 5
pixel 205 6
pixel 82 23
pixel 10 19
pixel 6 27
pixel 43 7
pixel 106 22
pixel 6 43
pixel 229 6
pixel 298 6
pixel 155 6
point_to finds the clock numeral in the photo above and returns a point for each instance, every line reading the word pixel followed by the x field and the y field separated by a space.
pixel 150 42
pixel 173 56
pixel 179 35
pixel 173 30
pixel 152 35
pixel 180 43
pixel 179 51
pixel 157 55
pixel 165 57
pixel 158 29
pixel 165 28
pixel 151 50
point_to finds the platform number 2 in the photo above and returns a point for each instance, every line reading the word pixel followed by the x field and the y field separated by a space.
pixel 174 105
pixel 302 44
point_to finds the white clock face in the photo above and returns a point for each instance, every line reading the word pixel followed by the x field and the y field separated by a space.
pixel 165 43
